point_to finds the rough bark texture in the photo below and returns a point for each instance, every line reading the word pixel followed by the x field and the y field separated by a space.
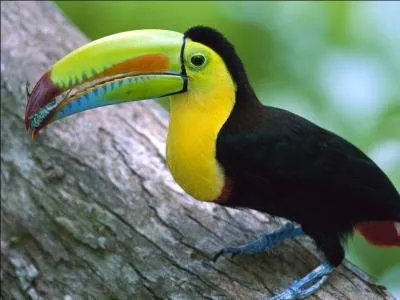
pixel 89 210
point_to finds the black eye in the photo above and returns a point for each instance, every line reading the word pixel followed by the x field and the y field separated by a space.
pixel 198 60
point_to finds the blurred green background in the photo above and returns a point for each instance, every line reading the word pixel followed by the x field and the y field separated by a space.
pixel 336 63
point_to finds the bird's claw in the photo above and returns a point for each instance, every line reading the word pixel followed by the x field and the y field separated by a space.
pixel 267 240
pixel 300 289
pixel 227 250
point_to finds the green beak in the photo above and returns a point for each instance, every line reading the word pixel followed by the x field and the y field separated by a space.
pixel 128 66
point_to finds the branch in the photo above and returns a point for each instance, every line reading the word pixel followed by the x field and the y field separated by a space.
pixel 89 210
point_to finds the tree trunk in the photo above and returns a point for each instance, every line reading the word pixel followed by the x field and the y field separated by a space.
pixel 90 211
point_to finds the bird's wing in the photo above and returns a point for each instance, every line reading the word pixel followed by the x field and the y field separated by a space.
pixel 288 149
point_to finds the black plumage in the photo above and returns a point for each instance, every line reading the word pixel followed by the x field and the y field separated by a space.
pixel 284 165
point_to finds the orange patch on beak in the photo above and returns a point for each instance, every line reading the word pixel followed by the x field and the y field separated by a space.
pixel 151 63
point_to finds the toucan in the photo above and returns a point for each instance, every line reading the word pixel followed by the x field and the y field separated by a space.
pixel 225 146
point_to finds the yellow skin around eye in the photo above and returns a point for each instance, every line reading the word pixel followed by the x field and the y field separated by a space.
pixel 196 119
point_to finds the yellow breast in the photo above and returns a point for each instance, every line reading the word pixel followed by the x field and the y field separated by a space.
pixel 196 119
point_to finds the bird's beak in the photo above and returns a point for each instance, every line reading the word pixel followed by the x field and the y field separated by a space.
pixel 128 66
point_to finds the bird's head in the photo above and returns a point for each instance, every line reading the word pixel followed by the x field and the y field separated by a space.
pixel 131 66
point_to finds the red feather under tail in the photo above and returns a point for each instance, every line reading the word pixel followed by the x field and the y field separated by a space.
pixel 384 233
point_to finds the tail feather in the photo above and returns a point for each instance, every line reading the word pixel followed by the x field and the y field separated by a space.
pixel 382 233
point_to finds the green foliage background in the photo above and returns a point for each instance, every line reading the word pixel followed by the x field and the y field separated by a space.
pixel 336 63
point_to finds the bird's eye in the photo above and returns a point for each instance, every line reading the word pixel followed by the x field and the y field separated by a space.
pixel 198 60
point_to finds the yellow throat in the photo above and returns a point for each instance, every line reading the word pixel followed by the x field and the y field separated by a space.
pixel 196 118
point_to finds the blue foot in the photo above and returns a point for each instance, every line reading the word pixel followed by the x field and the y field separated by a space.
pixel 266 241
pixel 306 285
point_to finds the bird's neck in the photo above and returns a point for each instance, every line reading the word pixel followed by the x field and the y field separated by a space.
pixel 247 113
pixel 195 121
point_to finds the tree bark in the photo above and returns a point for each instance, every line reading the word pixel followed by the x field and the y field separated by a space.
pixel 90 211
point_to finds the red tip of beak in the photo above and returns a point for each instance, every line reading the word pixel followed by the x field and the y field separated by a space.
pixel 43 92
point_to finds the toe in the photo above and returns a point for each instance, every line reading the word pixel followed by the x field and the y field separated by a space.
pixel 218 254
